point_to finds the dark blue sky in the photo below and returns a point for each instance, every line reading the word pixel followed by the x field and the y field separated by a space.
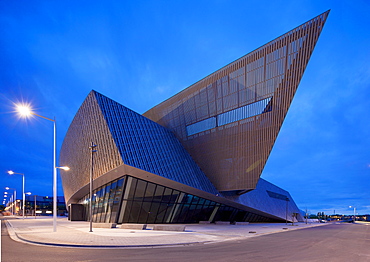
pixel 139 53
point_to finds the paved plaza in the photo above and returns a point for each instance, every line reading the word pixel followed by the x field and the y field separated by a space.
pixel 76 233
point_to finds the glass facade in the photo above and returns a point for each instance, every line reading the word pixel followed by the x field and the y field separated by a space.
pixel 132 200
pixel 254 109
pixel 105 202
pixel 44 205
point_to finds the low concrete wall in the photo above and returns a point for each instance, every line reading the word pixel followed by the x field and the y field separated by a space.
pixel 204 222
pixel 134 226
pixel 222 222
pixel 169 227
pixel 241 223
pixel 311 220
pixel 104 225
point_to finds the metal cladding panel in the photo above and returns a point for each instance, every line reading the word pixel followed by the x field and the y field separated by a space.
pixel 149 146
pixel 229 120
pixel 87 126
pixel 270 199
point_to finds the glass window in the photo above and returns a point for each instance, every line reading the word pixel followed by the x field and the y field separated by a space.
pixel 110 201
pixel 204 125
pixel 127 211
pixel 132 189
pixel 149 193
pixel 161 213
pixel 100 199
pixel 105 202
pixel 116 201
pixel 167 194
pixel 135 211
pixel 146 202
pixel 181 217
pixel 144 212
pixel 140 190
pixel 152 214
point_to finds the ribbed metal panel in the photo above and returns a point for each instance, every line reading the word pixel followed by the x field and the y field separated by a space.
pixel 88 125
pixel 149 146
pixel 123 136
pixel 233 152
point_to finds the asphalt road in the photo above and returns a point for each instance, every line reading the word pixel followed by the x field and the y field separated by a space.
pixel 335 242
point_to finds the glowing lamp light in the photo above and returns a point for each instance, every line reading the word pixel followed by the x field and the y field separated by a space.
pixel 66 168
pixel 24 110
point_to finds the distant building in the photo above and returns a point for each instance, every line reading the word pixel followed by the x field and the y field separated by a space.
pixel 44 206
pixel 199 155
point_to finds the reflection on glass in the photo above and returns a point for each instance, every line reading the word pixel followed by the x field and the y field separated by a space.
pixel 139 201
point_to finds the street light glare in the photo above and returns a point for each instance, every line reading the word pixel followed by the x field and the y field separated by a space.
pixel 10 172
pixel 24 110
pixel 66 168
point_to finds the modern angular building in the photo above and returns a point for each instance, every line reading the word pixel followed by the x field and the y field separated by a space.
pixel 199 155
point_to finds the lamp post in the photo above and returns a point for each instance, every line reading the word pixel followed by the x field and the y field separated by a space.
pixel 23 180
pixel 92 148
pixel 28 193
pixel 55 198
pixel 25 111
pixel 11 204
pixel 5 196
pixel 34 210
pixel 14 197
pixel 8 203
pixel 354 213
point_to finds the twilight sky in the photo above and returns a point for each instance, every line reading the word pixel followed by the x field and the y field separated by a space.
pixel 139 53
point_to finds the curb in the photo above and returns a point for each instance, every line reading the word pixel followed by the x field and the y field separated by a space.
pixel 14 236
pixel 107 246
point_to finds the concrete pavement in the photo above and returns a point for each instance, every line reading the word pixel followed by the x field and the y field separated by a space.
pixel 76 233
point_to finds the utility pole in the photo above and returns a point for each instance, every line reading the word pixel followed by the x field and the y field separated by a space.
pixel 286 211
pixel 92 149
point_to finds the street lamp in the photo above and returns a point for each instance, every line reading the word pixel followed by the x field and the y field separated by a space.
pixel 10 204
pixel 34 210
pixel 28 193
pixel 65 168
pixel 354 213
pixel 55 199
pixel 14 197
pixel 10 172
pixel 286 211
pixel 26 111
pixel 93 150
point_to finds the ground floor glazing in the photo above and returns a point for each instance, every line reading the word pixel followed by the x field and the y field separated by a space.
pixel 132 200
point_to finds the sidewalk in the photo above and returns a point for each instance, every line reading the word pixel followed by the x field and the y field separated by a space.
pixel 76 233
